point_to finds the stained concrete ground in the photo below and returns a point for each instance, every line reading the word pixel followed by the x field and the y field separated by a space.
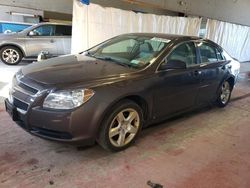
pixel 209 148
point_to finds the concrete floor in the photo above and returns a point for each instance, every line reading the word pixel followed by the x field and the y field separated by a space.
pixel 209 149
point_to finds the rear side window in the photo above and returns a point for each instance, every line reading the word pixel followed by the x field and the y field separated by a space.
pixel 208 53
pixel 63 30
pixel 185 52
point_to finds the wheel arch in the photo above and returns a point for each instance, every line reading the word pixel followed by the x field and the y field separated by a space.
pixel 138 99
pixel 231 81
pixel 14 45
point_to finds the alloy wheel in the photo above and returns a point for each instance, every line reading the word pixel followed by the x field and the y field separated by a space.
pixel 10 56
pixel 124 127
pixel 225 92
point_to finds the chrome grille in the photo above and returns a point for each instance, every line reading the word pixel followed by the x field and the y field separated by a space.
pixel 22 94
pixel 24 88
pixel 20 104
pixel 28 88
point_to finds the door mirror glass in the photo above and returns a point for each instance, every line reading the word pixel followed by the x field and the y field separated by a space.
pixel 173 64
pixel 33 33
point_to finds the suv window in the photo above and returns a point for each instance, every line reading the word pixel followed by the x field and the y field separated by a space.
pixel 63 30
pixel 208 53
pixel 185 52
pixel 45 30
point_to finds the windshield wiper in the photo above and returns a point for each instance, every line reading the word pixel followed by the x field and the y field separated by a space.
pixel 111 60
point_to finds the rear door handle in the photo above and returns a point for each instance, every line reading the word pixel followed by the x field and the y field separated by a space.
pixel 52 41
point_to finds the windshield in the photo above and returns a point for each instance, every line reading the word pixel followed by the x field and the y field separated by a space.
pixel 129 50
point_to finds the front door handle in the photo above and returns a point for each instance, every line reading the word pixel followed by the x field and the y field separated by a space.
pixel 52 41
pixel 197 73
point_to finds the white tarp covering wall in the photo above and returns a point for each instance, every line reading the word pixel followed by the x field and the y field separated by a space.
pixel 235 39
pixel 93 24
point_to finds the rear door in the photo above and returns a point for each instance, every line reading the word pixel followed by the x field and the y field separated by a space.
pixel 63 36
pixel 176 89
pixel 212 67
pixel 43 39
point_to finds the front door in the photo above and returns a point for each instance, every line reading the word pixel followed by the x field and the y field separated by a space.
pixel 177 89
pixel 40 39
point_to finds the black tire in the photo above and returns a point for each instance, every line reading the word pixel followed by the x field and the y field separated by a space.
pixel 111 119
pixel 16 57
pixel 224 98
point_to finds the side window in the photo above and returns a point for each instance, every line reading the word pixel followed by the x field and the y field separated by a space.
pixel 185 52
pixel 208 53
pixel 63 30
pixel 45 30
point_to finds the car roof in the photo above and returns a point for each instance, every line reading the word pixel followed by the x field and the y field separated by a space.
pixel 53 23
pixel 174 38
pixel 166 36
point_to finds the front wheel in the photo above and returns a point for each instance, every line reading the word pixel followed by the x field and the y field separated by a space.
pixel 121 127
pixel 224 94
pixel 10 55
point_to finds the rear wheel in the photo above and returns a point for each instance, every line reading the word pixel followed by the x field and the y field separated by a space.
pixel 224 94
pixel 11 55
pixel 121 127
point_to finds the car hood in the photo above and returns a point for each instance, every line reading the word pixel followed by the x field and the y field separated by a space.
pixel 72 69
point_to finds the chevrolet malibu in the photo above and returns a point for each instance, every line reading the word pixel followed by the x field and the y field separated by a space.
pixel 111 91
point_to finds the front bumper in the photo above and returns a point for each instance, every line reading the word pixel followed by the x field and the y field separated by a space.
pixel 57 125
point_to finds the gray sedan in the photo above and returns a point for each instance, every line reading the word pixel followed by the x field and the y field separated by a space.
pixel 111 91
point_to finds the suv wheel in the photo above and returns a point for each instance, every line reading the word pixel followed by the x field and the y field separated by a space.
pixel 10 55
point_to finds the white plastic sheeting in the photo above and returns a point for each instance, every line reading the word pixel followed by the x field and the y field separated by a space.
pixel 235 39
pixel 93 24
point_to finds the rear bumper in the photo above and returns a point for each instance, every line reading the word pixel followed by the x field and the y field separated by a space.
pixel 57 126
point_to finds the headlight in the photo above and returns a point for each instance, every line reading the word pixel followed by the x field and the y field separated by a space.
pixel 65 100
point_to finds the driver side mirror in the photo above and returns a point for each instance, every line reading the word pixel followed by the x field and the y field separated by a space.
pixel 32 33
pixel 173 64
